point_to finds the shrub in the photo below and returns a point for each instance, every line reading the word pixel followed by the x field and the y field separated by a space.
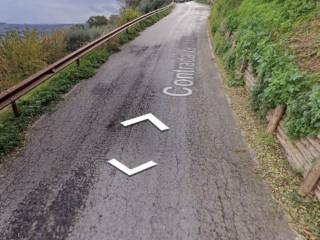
pixel 127 15
pixel 97 21
pixel 304 115
pixel 21 56
pixel 54 46
pixel 77 37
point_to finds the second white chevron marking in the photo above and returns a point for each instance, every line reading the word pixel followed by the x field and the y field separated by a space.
pixel 133 171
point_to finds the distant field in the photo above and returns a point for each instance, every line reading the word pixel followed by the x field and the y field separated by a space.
pixel 43 28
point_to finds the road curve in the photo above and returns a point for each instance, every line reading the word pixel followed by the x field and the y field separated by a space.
pixel 60 185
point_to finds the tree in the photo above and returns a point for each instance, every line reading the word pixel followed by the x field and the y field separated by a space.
pixel 96 21
pixel 143 5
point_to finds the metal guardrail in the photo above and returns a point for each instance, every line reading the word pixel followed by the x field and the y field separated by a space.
pixel 12 94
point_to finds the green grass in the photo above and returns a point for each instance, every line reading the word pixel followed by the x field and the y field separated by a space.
pixel 260 29
pixel 39 100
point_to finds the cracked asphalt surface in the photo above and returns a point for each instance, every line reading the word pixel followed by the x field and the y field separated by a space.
pixel 60 186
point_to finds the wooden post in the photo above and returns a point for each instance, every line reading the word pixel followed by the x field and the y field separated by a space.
pixel 276 118
pixel 241 71
pixel 15 109
pixel 311 179
pixel 78 62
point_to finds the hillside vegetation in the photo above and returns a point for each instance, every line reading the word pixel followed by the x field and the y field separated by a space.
pixel 23 54
pixel 281 41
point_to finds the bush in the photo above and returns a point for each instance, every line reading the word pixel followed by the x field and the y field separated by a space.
pixel 127 15
pixel 21 56
pixel 77 37
pixel 54 46
pixel 304 114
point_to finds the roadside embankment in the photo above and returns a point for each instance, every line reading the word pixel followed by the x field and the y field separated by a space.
pixel 269 52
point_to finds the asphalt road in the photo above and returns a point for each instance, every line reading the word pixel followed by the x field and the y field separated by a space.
pixel 60 185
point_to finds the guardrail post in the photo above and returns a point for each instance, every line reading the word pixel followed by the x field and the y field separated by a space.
pixel 78 62
pixel 15 109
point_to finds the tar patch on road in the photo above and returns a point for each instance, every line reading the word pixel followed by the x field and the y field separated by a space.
pixel 33 219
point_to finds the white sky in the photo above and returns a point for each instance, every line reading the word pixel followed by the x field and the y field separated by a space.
pixel 54 11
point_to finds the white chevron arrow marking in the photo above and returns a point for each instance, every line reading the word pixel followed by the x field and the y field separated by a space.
pixel 155 121
pixel 133 171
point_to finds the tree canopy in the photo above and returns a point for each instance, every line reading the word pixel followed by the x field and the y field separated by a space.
pixel 144 5
pixel 96 21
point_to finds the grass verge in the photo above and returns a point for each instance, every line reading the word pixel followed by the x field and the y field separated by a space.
pixel 304 213
pixel 43 98
pixel 279 40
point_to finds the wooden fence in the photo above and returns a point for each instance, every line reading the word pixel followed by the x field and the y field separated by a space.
pixel 303 154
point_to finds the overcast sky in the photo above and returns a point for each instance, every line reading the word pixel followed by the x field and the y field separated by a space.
pixel 54 11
